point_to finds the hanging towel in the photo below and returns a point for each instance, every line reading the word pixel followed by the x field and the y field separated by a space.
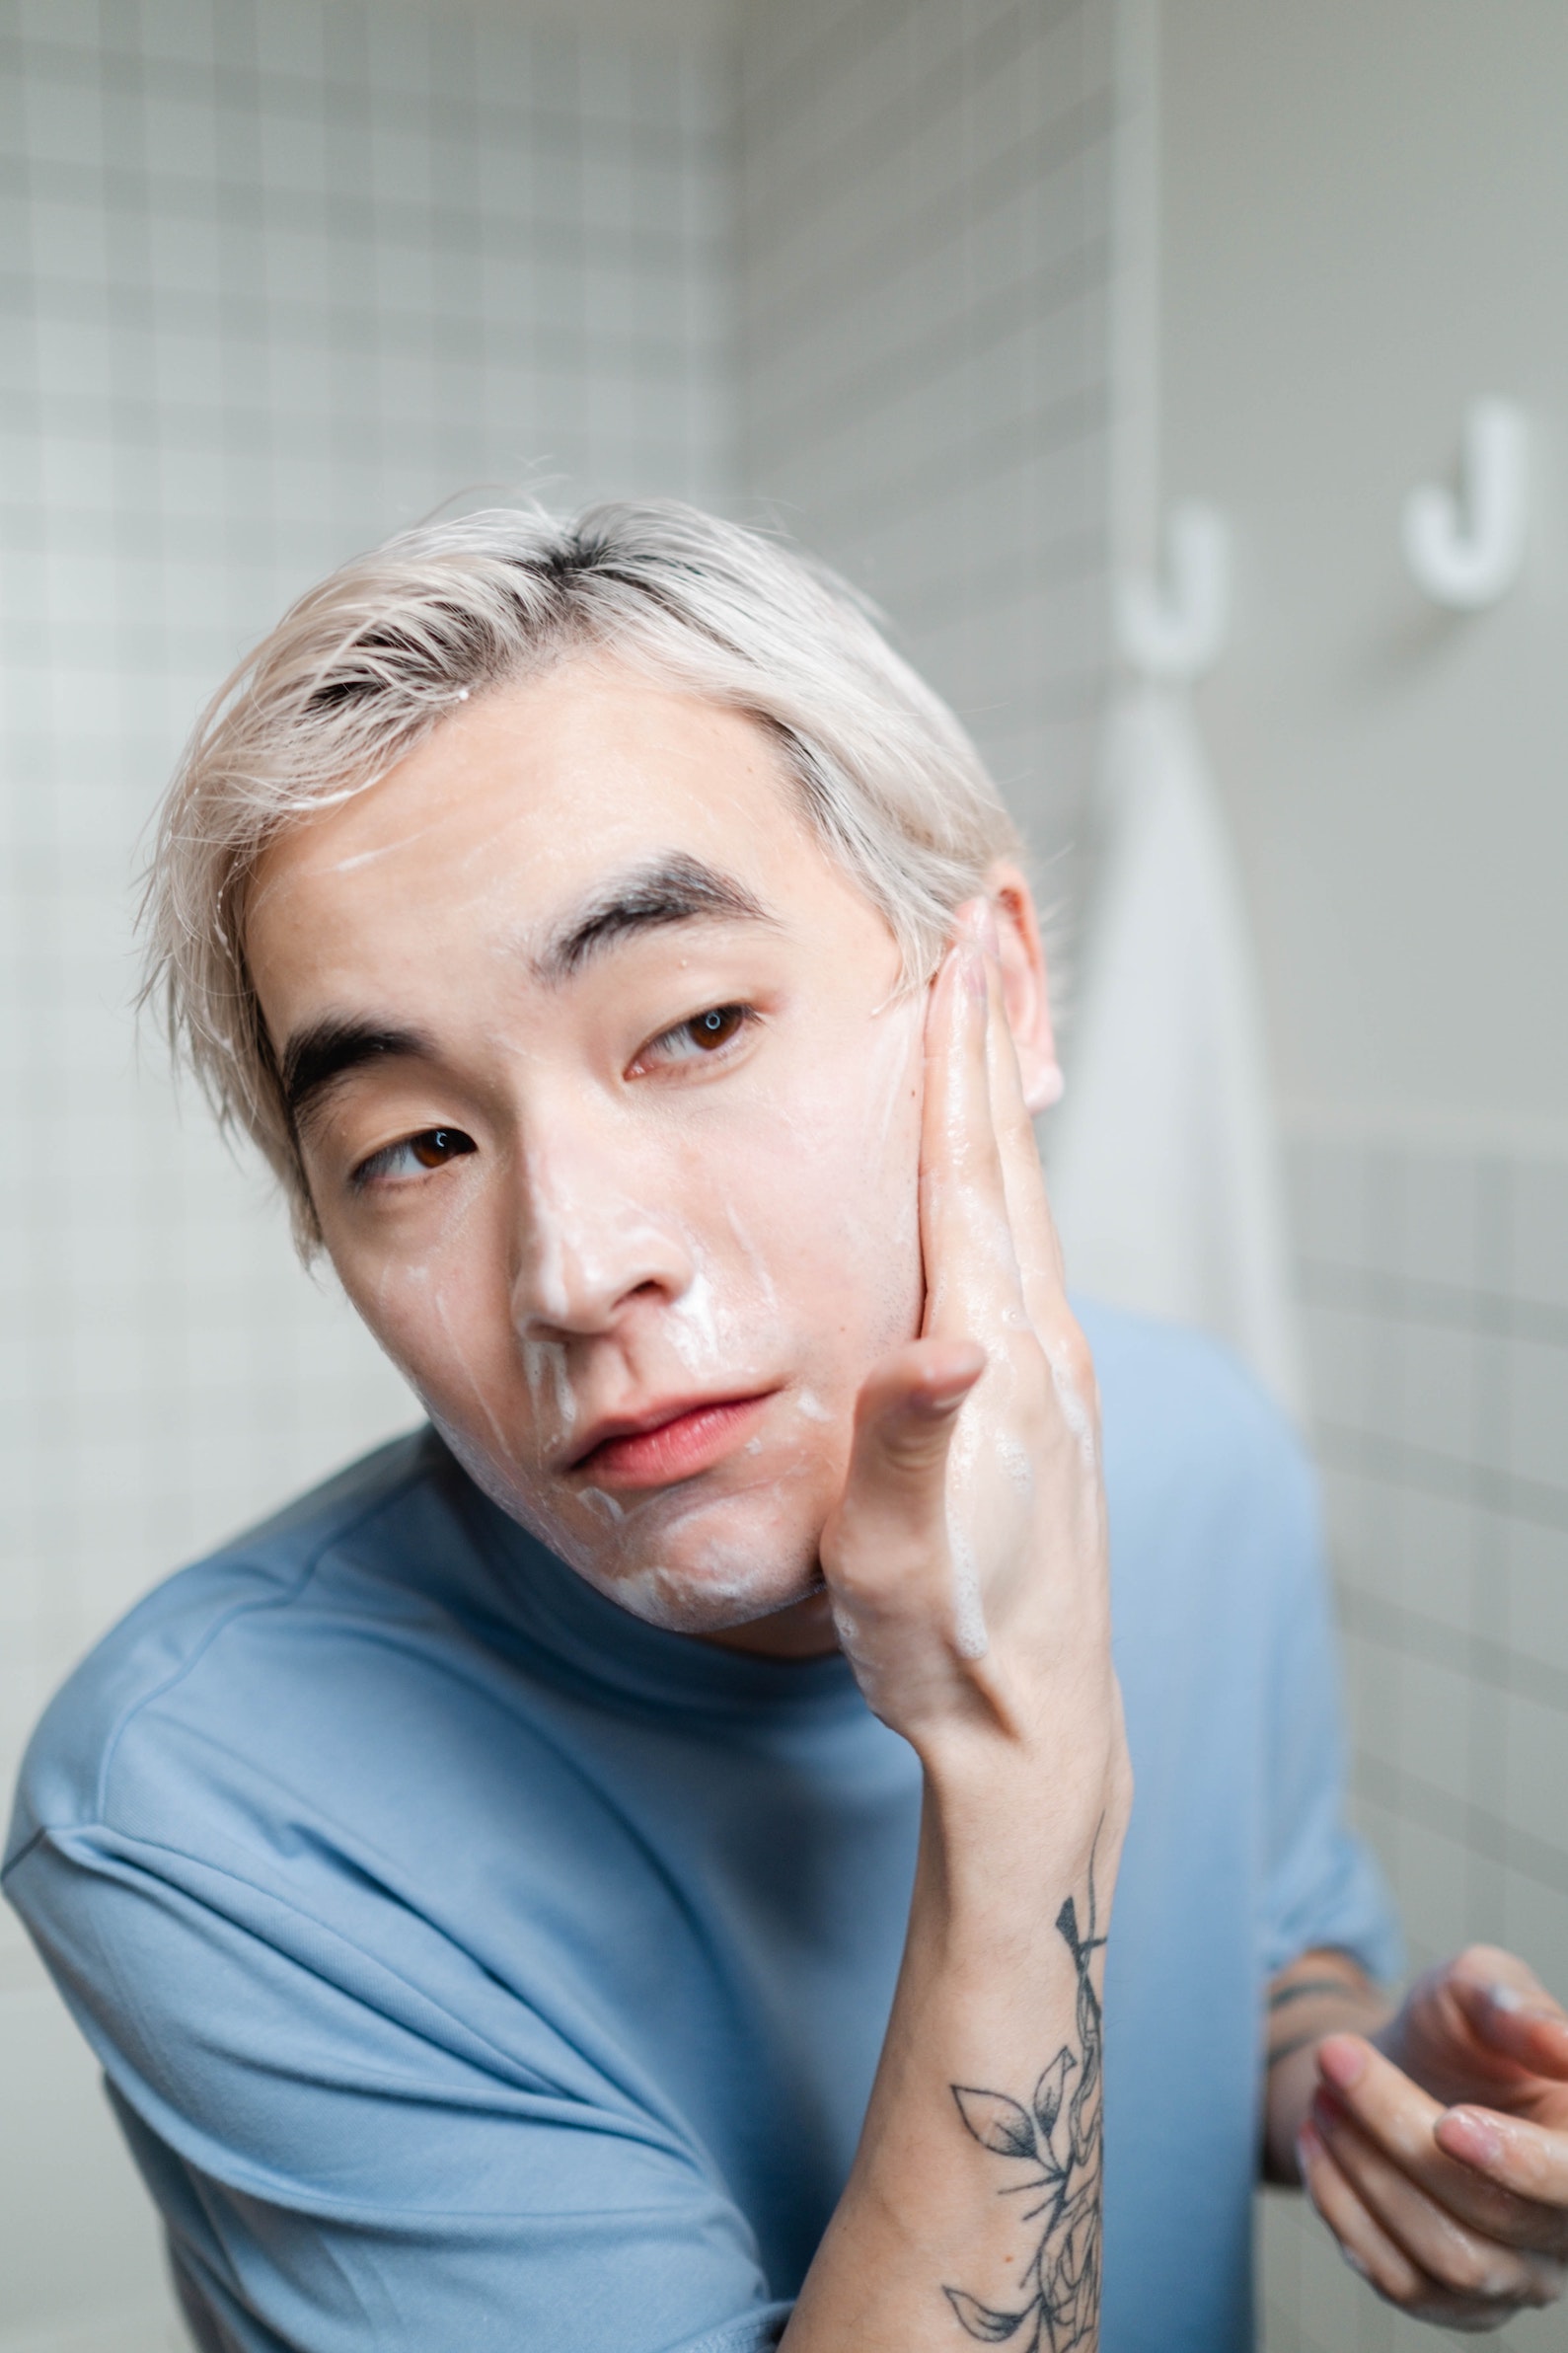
pixel 1163 1167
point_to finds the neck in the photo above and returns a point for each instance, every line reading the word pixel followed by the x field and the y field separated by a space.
pixel 804 1631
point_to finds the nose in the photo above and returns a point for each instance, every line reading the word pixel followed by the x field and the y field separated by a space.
pixel 590 1239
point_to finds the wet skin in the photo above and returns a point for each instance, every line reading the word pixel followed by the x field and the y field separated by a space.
pixel 632 1200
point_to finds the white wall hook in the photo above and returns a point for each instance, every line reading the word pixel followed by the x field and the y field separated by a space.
pixel 1175 631
pixel 1465 552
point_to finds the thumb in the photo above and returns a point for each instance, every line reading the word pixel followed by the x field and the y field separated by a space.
pixel 896 1493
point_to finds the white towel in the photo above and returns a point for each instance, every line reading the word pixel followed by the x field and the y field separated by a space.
pixel 1162 1166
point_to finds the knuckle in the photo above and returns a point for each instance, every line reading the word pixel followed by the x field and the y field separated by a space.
pixel 1471 2271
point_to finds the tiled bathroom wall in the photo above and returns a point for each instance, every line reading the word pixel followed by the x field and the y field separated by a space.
pixel 276 277
pixel 1434 1289
pixel 926 240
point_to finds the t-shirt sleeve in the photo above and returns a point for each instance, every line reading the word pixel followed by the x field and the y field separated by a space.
pixel 344 2158
pixel 1322 1886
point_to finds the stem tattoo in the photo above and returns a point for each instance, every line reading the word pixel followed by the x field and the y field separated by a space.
pixel 1060 2141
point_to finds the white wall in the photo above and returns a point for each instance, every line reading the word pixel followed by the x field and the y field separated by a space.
pixel 1365 214
pixel 925 262
pixel 279 279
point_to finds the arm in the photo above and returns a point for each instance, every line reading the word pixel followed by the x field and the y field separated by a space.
pixel 967 1567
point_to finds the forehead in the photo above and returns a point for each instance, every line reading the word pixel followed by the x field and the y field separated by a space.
pixel 428 900
pixel 553 781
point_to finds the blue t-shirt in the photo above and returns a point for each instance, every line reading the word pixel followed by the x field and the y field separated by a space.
pixel 475 1966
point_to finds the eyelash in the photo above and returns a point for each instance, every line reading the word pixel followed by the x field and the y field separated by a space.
pixel 375 1170
pixel 720 1050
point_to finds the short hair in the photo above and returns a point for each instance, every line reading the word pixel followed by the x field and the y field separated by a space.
pixel 362 668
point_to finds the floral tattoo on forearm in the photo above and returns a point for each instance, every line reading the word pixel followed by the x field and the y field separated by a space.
pixel 1061 2140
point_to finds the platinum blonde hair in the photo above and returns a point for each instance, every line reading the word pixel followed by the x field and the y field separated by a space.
pixel 366 665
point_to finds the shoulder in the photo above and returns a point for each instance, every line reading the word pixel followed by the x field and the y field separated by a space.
pixel 180 1635
pixel 1201 1464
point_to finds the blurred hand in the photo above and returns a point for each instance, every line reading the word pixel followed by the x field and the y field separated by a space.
pixel 1437 2151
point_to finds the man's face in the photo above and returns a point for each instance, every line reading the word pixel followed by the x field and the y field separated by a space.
pixel 608 1103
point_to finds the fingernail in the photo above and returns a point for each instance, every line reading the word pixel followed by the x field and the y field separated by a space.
pixel 1505 1997
pixel 1342 2061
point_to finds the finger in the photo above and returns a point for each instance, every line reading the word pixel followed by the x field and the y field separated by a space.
pixel 1401 2120
pixel 1034 1233
pixel 1520 2019
pixel 1467 2263
pixel 1037 1255
pixel 1527 2160
pixel 971 1267
pixel 892 1519
pixel 1363 2243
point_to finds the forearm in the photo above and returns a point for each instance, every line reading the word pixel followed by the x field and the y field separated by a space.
pixel 976 2189
pixel 1324 1993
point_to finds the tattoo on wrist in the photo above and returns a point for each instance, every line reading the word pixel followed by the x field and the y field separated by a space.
pixel 1061 2140
pixel 1301 1989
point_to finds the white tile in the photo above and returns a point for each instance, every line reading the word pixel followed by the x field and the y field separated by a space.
pixel 1536 1613
pixel 1537 1413
pixel 1536 1771
pixel 1429 1884
pixel 1539 1232
pixel 1436 1226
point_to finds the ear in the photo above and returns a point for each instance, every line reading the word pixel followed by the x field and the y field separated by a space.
pixel 1025 989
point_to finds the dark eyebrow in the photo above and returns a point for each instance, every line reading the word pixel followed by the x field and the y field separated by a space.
pixel 673 888
pixel 315 1058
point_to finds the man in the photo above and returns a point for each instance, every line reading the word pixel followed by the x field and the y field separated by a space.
pixel 632 1866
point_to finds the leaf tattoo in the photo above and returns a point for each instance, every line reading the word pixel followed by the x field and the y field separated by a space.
pixel 997 2122
pixel 1060 2138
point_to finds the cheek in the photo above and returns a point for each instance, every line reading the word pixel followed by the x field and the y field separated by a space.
pixel 833 1185
pixel 435 1303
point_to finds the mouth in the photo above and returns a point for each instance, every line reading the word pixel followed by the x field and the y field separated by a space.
pixel 671 1441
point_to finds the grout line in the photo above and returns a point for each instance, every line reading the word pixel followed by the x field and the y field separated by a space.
pixel 1420 1299
pixel 1401 1463
pixel 1395 1627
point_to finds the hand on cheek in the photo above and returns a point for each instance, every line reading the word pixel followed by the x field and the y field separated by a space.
pixel 966 1560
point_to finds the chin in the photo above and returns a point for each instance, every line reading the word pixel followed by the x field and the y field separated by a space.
pixel 691 1559
pixel 711 1571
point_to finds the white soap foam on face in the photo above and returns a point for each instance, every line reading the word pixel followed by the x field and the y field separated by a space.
pixel 693 1325
pixel 810 1408
pixel 609 1507
pixel 476 1385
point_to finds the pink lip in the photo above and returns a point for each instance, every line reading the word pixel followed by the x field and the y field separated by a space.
pixel 671 1442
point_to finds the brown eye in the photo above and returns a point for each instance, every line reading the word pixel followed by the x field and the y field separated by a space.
pixel 437 1146
pixel 431 1148
pixel 705 1034
pixel 717 1027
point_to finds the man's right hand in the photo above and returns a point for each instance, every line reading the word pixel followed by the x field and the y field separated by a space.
pixel 966 1564
pixel 967 1559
